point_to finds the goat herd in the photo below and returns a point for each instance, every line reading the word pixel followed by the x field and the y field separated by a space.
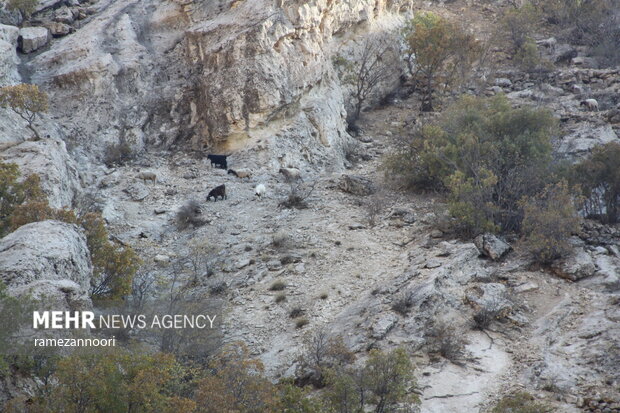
pixel 219 161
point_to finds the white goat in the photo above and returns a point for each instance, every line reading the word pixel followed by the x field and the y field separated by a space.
pixel 147 176
pixel 260 190
pixel 590 104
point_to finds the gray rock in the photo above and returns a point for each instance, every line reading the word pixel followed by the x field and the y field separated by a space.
pixel 407 215
pixel 10 17
pixel 58 29
pixel 357 185
pixel 383 325
pixel 9 34
pixel 137 191
pixel 161 259
pixel 32 38
pixel 47 258
pixel 503 82
pixel 490 297
pixel 8 64
pixel 576 266
pixel 491 246
pixel 528 286
pixel 274 265
pixel 584 138
pixel 564 53
pixel 432 263
pixel 63 15
pixel 8 55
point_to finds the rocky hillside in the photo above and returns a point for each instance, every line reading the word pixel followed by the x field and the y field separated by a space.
pixel 174 80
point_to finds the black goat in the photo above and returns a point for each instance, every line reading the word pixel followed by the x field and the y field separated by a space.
pixel 218 191
pixel 218 160
pixel 231 172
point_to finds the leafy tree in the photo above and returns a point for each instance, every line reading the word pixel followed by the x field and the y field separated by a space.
pixel 293 399
pixel 25 100
pixel 14 193
pixel 236 385
pixel 382 384
pixel 549 219
pixel 322 352
pixel 114 382
pixel 518 24
pixel 437 50
pixel 113 266
pixel 486 155
pixel 599 178
pixel 376 64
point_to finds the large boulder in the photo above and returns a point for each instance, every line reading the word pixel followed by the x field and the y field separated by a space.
pixel 49 159
pixel 47 259
pixel 32 38
pixel 491 246
pixel 576 266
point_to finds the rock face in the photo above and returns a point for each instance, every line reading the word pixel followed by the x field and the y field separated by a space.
pixel 49 159
pixel 32 38
pixel 8 55
pixel 256 72
pixel 584 138
pixel 47 258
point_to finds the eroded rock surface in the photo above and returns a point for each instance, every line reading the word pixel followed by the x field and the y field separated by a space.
pixel 47 259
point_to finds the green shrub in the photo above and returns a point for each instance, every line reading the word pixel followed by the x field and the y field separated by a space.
pixel 296 312
pixel 189 214
pixel 549 219
pixel 301 322
pixel 520 402
pixel 278 286
pixel 486 155
pixel 599 179
pixel 26 7
pixel 528 57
